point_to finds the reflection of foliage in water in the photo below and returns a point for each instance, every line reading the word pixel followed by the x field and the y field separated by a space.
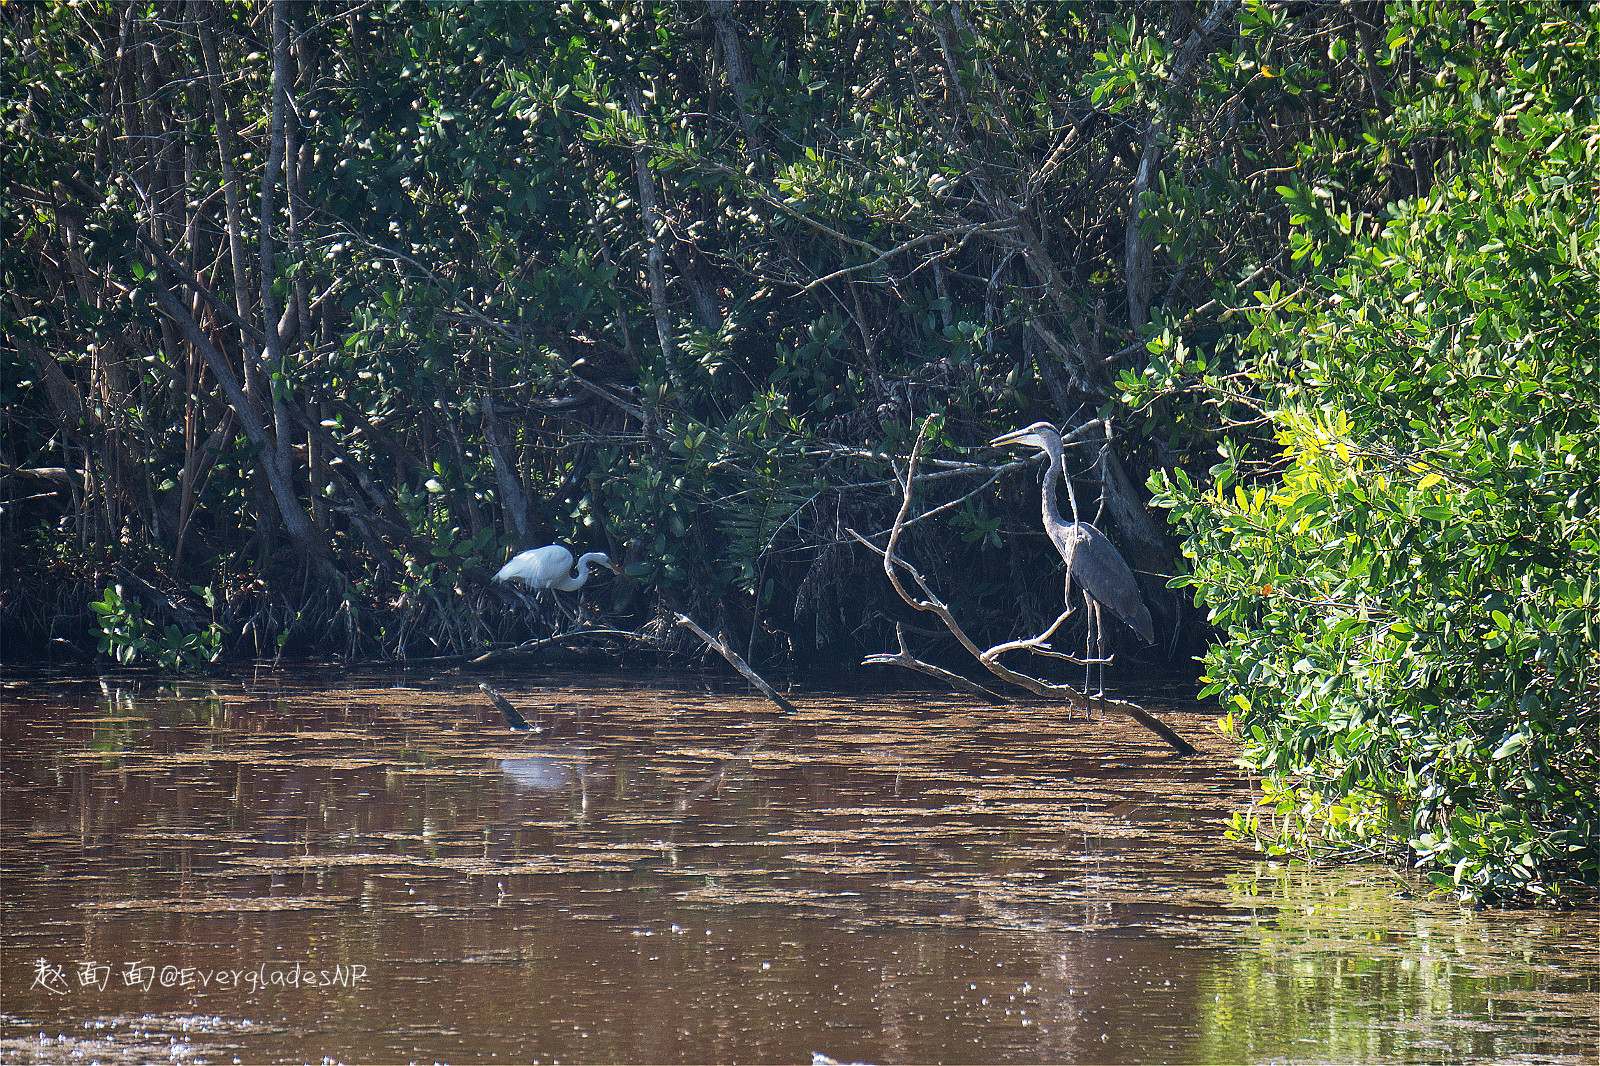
pixel 126 718
pixel 1357 970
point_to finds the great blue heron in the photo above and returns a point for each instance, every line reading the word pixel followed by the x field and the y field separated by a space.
pixel 1102 574
pixel 550 567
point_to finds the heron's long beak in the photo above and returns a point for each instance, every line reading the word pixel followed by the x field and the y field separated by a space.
pixel 1014 437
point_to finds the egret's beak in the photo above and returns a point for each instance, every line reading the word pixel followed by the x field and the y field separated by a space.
pixel 1016 436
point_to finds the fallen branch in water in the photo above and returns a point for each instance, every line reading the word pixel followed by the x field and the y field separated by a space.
pixel 893 565
pixel 904 658
pixel 720 646
pixel 530 646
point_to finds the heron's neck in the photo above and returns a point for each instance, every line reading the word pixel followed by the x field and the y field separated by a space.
pixel 1057 472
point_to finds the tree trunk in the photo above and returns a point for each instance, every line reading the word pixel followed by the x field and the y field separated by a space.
pixel 277 355
pixel 656 264
pixel 301 532
pixel 230 191
pixel 1137 258
pixel 735 60
pixel 515 500
pixel 1144 541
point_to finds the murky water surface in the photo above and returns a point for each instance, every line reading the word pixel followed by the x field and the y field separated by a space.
pixel 289 866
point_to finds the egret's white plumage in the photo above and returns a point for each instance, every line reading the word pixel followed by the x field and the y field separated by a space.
pixel 550 567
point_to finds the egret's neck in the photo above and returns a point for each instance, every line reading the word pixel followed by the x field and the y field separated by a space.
pixel 570 582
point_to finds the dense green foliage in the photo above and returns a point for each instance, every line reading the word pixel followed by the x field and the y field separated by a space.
pixel 1410 588
pixel 316 312
pixel 325 309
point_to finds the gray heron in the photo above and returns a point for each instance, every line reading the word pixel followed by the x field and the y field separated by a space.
pixel 1102 574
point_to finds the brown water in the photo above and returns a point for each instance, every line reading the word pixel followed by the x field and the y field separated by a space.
pixel 298 867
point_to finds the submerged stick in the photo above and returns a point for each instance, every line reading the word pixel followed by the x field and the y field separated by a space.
pixel 720 646
pixel 515 720
pixel 714 779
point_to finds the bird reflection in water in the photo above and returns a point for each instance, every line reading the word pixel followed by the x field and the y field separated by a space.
pixel 553 772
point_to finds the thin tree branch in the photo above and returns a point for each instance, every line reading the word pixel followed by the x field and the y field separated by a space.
pixel 904 658
pixel 720 646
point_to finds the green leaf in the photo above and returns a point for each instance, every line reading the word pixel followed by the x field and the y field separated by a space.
pixel 1510 746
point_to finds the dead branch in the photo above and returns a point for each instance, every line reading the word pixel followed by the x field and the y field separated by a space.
pixel 530 646
pixel 911 662
pixel 1037 644
pixel 893 565
pixel 514 719
pixel 720 646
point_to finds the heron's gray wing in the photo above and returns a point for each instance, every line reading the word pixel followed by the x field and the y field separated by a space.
pixel 1105 575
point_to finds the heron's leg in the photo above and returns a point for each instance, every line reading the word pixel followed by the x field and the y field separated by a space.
pixel 530 600
pixel 1100 648
pixel 1090 625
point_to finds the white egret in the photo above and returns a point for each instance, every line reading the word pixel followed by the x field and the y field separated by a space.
pixel 550 567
